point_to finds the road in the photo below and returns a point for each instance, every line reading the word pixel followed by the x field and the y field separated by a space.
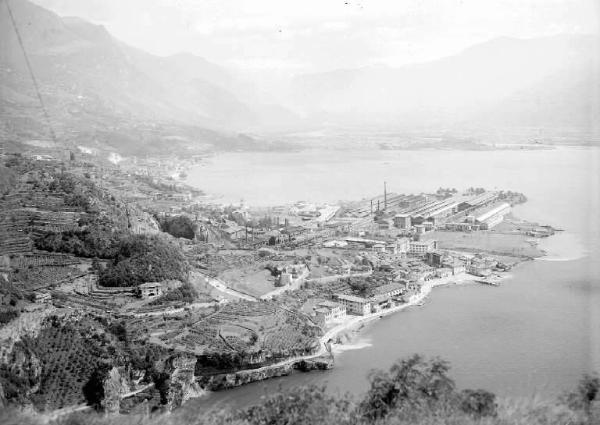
pixel 219 285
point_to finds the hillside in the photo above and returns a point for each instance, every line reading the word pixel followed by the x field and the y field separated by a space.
pixel 95 88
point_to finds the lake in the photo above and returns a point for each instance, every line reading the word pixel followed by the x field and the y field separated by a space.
pixel 535 334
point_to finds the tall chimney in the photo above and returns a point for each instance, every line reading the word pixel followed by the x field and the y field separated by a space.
pixel 384 195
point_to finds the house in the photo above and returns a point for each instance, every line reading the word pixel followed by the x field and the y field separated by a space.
pixel 421 247
pixel 335 244
pixel 455 266
pixel 402 221
pixel 379 247
pixel 355 305
pixel 403 245
pixel 434 258
pixel 293 275
pixel 384 294
pixel 443 272
pixel 479 269
pixel 42 297
pixel 328 311
pixel 150 289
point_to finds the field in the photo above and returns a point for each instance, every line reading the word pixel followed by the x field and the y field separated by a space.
pixel 491 242
pixel 255 280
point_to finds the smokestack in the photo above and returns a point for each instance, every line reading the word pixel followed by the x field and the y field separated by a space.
pixel 384 195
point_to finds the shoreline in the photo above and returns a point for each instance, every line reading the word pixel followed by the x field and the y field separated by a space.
pixel 414 301
pixel 354 321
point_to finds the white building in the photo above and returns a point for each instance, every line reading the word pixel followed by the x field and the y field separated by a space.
pixel 328 311
pixel 354 304
pixel 492 216
pixel 422 247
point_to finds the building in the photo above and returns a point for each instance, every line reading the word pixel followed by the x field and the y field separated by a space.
pixel 354 305
pixel 403 245
pixel 42 297
pixel 335 244
pixel 386 292
pixel 434 258
pixel 150 289
pixel 479 269
pixel 379 247
pixel 293 275
pixel 420 229
pixel 478 201
pixel 455 266
pixel 492 216
pixel 443 272
pixel 328 311
pixel 402 221
pixel 421 247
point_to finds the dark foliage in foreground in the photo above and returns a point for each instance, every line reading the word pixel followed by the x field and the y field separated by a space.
pixel 415 391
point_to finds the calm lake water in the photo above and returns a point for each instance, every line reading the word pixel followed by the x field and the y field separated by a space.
pixel 536 334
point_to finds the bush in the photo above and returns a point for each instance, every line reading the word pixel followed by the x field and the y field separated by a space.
pixel 413 382
pixel 586 393
pixel 478 403
pixel 180 226
pixel 185 293
pixel 303 406
pixel 142 258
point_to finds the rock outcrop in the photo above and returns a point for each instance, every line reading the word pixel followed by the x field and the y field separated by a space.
pixel 223 381
pixel 116 385
pixel 182 382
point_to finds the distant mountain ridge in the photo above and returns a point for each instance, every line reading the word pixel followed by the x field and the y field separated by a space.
pixel 95 85
pixel 83 59
pixel 472 87
pixel 90 79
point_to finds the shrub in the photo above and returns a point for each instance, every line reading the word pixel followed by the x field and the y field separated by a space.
pixel 185 293
pixel 180 226
pixel 478 403
pixel 413 382
pixel 586 393
pixel 302 406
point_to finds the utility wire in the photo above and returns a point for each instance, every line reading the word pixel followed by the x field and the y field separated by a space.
pixel 30 68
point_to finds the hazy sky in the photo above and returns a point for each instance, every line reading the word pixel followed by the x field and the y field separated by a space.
pixel 312 35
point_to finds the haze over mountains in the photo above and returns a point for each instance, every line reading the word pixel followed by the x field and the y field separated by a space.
pixel 502 82
pixel 89 79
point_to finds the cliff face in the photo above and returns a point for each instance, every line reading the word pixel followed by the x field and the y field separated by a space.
pixel 225 381
pixel 182 382
pixel 116 385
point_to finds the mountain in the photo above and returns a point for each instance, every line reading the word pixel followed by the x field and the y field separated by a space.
pixel 92 83
pixel 484 84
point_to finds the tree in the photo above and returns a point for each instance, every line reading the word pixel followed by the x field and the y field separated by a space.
pixel 302 406
pixel 414 382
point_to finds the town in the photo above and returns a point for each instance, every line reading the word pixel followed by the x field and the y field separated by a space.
pixel 213 296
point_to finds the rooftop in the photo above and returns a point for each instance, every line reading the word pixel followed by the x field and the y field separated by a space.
pixel 352 298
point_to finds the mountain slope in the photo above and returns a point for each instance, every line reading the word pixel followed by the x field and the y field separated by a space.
pixel 454 89
pixel 87 75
